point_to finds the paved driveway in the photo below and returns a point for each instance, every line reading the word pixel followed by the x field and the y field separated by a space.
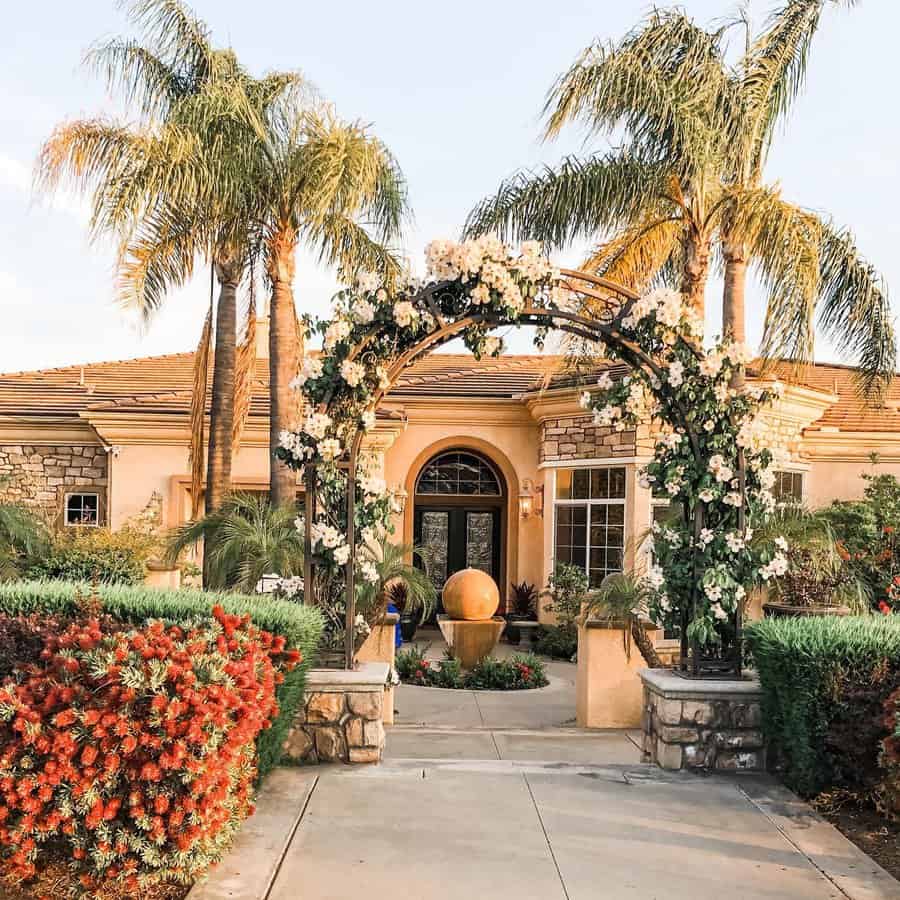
pixel 478 830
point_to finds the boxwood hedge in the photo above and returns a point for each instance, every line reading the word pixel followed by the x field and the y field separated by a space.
pixel 825 681
pixel 300 625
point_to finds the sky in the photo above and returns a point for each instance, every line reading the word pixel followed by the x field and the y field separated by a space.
pixel 455 90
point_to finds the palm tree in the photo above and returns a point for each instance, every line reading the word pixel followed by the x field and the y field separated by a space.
pixel 687 184
pixel 336 189
pixel 244 539
pixel 155 188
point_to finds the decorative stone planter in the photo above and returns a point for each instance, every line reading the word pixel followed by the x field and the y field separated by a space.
pixel 341 716
pixel 608 691
pixel 696 724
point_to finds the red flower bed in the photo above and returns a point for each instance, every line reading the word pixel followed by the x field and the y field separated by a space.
pixel 132 753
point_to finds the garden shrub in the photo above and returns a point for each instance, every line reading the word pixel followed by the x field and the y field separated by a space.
pixel 301 626
pixel 825 681
pixel 889 789
pixel 556 641
pixel 81 554
pixel 522 672
pixel 134 751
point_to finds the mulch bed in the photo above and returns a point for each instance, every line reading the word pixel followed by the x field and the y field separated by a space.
pixel 55 880
pixel 862 824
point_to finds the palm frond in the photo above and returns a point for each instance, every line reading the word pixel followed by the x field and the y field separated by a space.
pixel 175 34
pixel 343 242
pixel 579 198
pixel 774 71
pixel 665 85
pixel 854 310
pixel 198 412
pixel 639 255
pixel 244 374
pixel 142 77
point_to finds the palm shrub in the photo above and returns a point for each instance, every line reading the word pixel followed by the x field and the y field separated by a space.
pixel 242 540
pixel 301 626
pixel 622 600
pixel 390 577
pixel 825 681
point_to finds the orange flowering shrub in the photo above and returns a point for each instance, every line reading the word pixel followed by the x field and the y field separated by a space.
pixel 132 753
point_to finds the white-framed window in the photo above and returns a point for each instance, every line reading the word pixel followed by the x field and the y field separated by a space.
pixel 788 488
pixel 82 510
pixel 589 520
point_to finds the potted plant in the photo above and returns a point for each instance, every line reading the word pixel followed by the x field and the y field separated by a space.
pixel 523 602
pixel 818 581
pixel 400 583
pixel 622 601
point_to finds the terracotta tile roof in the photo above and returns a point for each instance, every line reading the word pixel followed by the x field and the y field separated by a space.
pixel 162 384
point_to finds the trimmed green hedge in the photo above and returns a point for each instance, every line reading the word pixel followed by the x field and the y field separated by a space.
pixel 825 680
pixel 300 625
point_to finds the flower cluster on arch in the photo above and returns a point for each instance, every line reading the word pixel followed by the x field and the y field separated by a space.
pixel 709 461
pixel 371 329
pixel 705 426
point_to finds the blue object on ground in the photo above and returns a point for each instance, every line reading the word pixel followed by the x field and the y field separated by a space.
pixel 398 639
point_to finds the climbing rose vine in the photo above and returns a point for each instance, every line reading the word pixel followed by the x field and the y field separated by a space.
pixel 674 382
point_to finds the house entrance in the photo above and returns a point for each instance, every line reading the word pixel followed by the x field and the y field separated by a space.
pixel 459 520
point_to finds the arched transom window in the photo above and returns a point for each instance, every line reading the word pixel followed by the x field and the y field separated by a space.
pixel 461 474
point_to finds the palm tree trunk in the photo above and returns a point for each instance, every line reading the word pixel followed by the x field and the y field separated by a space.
pixel 221 413
pixel 733 314
pixel 283 354
pixel 733 311
pixel 696 270
pixel 644 644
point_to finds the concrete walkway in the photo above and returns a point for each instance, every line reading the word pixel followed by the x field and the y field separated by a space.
pixel 488 795
pixel 470 829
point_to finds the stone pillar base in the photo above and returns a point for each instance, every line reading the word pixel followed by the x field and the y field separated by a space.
pixel 341 716
pixel 471 641
pixel 696 724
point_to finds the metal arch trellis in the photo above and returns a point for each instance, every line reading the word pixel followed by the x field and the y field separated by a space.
pixel 606 330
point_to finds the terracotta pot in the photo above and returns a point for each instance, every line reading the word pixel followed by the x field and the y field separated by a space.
pixel 471 595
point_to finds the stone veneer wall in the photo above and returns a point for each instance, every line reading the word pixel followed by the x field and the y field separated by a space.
pixel 690 724
pixel 341 717
pixel 577 437
pixel 40 476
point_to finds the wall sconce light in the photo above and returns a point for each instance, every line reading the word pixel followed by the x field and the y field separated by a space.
pixel 531 499
pixel 399 496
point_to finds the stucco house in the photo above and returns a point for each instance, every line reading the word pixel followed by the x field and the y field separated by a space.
pixel 493 461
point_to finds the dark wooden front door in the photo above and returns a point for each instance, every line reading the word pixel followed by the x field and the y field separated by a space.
pixel 459 537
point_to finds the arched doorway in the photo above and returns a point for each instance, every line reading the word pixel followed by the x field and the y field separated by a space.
pixel 459 515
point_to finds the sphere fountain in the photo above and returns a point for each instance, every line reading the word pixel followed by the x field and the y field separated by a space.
pixel 469 626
